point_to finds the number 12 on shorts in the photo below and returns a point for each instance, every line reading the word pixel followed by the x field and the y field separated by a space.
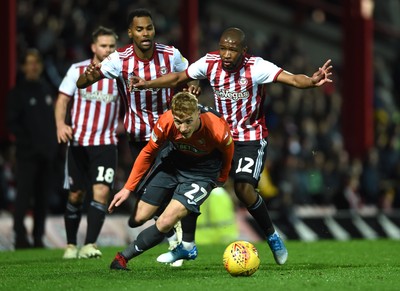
pixel 245 165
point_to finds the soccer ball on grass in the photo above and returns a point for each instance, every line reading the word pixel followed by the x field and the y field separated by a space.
pixel 241 259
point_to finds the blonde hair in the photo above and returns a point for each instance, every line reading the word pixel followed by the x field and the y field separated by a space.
pixel 184 104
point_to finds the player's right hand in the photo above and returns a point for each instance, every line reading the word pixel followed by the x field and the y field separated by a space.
pixel 120 197
pixel 64 133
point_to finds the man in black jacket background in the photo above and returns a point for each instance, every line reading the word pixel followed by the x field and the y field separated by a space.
pixel 30 120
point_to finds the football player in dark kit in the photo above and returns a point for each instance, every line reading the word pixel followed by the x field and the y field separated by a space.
pixel 196 157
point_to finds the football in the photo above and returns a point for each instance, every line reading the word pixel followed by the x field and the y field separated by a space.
pixel 241 259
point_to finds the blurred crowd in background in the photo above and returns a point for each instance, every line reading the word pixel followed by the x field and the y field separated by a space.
pixel 307 163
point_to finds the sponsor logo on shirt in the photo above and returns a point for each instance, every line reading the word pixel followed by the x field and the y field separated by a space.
pixel 99 96
pixel 223 94
pixel 154 90
pixel 188 147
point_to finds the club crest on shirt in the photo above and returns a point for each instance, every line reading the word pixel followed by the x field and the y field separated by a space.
pixel 243 81
pixel 163 70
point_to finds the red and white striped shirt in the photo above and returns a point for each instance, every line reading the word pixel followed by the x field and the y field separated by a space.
pixel 239 95
pixel 94 110
pixel 143 107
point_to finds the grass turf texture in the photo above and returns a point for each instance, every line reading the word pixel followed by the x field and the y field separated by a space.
pixel 322 265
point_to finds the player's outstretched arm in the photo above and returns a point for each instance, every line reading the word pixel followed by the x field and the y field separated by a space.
pixel 170 80
pixel 319 78
pixel 323 75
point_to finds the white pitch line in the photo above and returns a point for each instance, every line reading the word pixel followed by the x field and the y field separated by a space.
pixel 364 228
pixel 305 233
pixel 336 229
pixel 391 229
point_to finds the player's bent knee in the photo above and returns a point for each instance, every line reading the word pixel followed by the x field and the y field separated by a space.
pixel 133 223
pixel 246 193
pixel 76 197
pixel 165 224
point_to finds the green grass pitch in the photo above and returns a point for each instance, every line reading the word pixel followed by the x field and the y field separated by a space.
pixel 323 265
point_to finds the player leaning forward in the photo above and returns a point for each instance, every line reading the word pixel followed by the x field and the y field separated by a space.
pixel 197 151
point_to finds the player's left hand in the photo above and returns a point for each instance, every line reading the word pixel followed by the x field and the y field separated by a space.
pixel 120 197
pixel 323 75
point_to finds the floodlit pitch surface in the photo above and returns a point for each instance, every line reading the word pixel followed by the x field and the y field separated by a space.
pixel 322 265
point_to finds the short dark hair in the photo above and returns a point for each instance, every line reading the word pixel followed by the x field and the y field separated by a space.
pixel 31 52
pixel 101 30
pixel 140 12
